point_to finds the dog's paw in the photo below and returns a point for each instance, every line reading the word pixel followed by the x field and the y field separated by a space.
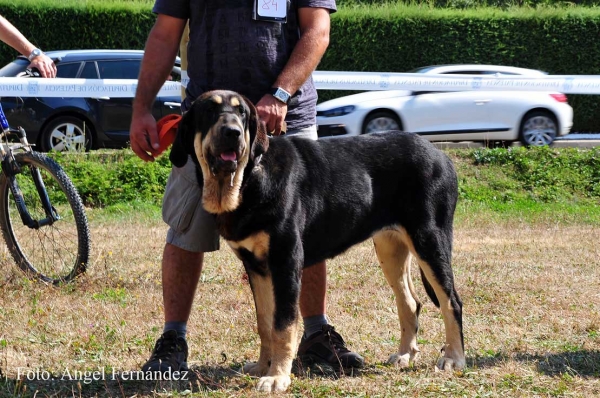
pixel 255 369
pixel 401 361
pixel 404 360
pixel 448 364
pixel 273 383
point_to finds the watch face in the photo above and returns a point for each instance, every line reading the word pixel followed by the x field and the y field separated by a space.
pixel 281 95
pixel 35 53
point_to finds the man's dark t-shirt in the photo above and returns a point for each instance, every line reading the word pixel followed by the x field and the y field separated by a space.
pixel 230 50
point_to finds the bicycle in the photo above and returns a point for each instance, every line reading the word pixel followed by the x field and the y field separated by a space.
pixel 42 217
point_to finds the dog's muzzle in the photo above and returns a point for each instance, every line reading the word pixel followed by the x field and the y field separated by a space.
pixel 228 146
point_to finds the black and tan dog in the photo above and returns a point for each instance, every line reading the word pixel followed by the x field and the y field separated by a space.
pixel 285 203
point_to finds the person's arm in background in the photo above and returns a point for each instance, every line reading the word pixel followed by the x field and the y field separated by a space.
pixel 314 38
pixel 11 36
pixel 159 57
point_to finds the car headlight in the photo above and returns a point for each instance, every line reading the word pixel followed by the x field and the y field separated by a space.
pixel 340 111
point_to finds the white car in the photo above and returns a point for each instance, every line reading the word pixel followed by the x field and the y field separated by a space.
pixel 534 118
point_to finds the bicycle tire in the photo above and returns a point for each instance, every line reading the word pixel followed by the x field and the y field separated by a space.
pixel 55 253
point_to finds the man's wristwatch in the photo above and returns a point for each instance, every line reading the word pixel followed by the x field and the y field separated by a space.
pixel 34 53
pixel 281 95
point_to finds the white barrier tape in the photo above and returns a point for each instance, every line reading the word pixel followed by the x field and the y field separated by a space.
pixel 80 88
pixel 369 81
pixel 324 80
pixel 185 79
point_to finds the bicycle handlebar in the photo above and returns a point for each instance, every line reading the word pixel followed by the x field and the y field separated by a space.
pixel 29 72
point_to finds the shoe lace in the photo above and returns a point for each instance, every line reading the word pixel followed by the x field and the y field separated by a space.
pixel 335 340
pixel 164 349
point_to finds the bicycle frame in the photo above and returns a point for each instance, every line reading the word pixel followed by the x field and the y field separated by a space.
pixel 10 168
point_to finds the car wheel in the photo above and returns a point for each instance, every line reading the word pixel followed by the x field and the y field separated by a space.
pixel 66 133
pixel 381 121
pixel 538 128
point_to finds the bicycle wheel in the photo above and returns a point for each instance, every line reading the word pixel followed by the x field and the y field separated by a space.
pixel 54 253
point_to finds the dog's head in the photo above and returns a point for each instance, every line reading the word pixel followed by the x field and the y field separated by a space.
pixel 223 134
pixel 223 128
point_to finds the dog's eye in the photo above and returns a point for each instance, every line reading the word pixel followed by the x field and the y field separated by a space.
pixel 242 110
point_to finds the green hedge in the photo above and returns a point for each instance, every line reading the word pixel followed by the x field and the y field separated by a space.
pixel 540 175
pixel 463 4
pixel 108 178
pixel 66 27
pixel 385 38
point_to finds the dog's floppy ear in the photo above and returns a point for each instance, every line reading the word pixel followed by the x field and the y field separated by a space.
pixel 259 141
pixel 184 140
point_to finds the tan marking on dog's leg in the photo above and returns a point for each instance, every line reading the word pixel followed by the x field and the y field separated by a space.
pixel 264 301
pixel 454 356
pixel 394 257
pixel 278 347
pixel 257 244
pixel 283 353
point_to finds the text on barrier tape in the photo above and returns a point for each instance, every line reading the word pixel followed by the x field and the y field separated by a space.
pixel 324 80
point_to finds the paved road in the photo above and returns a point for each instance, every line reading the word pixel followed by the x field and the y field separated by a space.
pixel 573 140
pixel 581 136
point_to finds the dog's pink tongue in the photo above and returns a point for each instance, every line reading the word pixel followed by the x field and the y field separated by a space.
pixel 228 156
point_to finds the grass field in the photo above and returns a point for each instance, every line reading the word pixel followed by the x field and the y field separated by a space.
pixel 531 315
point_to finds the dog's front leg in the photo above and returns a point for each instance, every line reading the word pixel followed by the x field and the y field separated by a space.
pixel 278 339
pixel 262 290
pixel 279 296
pixel 283 352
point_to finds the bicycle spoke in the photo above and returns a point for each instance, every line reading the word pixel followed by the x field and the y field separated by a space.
pixel 57 250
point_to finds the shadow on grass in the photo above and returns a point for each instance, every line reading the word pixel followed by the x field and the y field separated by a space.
pixel 583 363
pixel 213 378
pixel 125 384
pixel 204 378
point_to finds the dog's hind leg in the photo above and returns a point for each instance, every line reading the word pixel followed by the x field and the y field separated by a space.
pixel 433 249
pixel 262 290
pixel 394 257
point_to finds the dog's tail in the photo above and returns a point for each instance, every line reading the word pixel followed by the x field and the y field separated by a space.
pixel 429 290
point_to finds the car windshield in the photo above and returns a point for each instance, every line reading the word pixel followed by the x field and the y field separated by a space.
pixel 14 68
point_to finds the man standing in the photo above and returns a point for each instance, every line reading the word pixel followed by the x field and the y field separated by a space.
pixel 267 51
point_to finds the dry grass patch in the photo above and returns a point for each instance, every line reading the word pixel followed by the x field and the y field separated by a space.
pixel 531 315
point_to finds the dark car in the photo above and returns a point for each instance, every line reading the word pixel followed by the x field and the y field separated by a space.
pixel 65 123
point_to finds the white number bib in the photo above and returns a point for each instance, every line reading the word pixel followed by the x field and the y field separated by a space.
pixel 271 10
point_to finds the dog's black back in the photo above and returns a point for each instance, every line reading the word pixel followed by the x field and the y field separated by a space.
pixel 304 188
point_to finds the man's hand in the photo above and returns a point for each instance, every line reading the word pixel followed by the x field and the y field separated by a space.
pixel 272 112
pixel 143 135
pixel 45 65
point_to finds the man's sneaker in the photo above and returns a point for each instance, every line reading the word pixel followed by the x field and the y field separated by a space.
pixel 328 347
pixel 169 354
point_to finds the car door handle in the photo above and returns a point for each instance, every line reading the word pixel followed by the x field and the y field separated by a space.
pixel 171 104
pixel 483 101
